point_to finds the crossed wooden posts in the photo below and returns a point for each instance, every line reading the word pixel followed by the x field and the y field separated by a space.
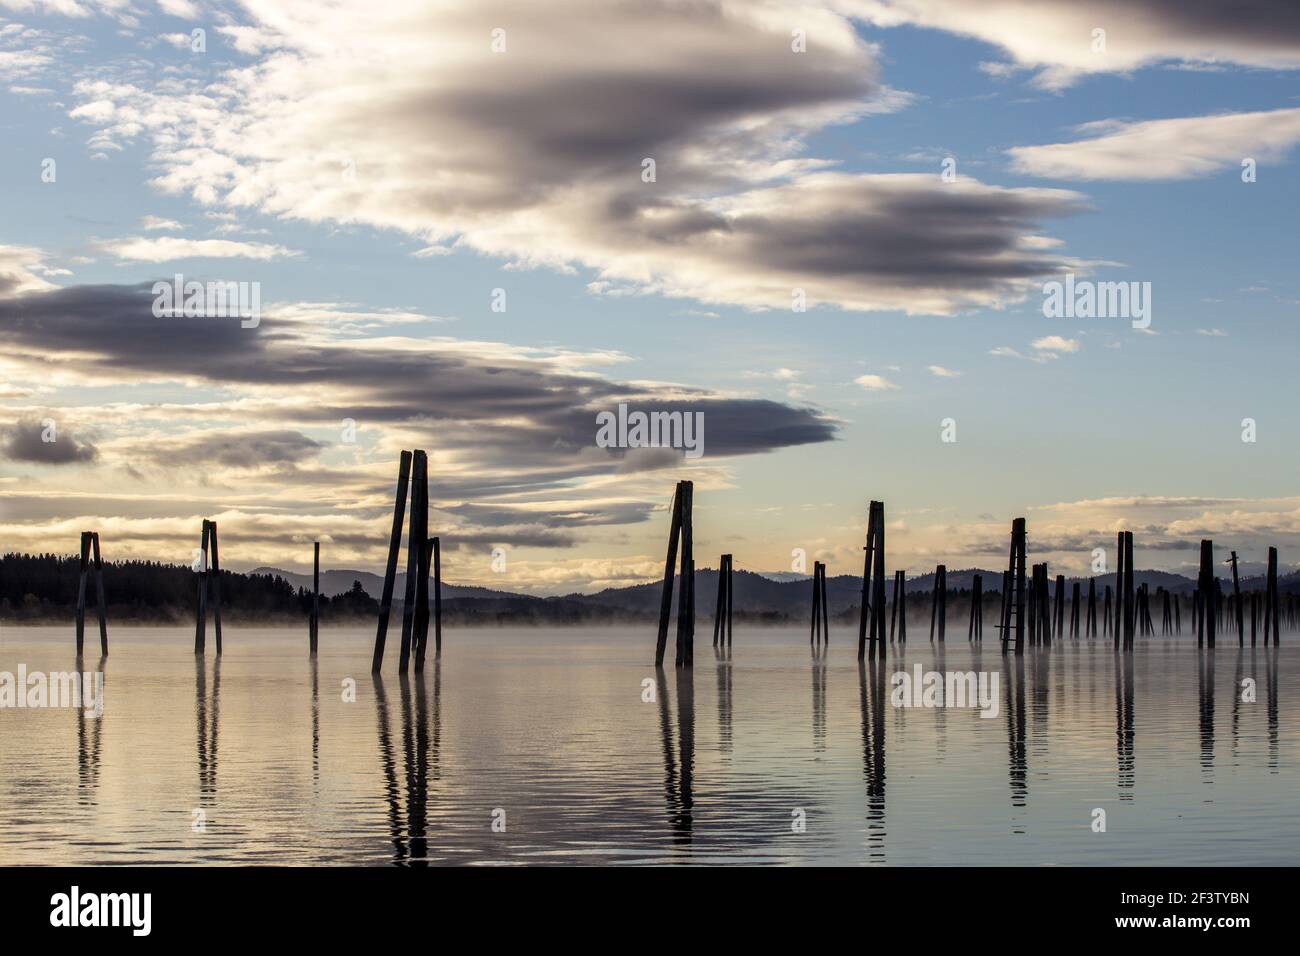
pixel 819 634
pixel 722 615
pixel 680 529
pixel 209 580
pixel 423 554
pixel 871 610
pixel 89 545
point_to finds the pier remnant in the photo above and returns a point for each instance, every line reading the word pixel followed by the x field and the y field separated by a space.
pixel 939 602
pixel 90 558
pixel 390 570
pixel 722 613
pixel 819 633
pixel 1013 603
pixel 680 531
pixel 313 623
pixel 209 582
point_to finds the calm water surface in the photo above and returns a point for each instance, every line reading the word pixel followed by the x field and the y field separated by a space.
pixel 550 731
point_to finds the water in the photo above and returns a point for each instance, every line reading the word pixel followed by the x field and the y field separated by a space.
pixel 259 759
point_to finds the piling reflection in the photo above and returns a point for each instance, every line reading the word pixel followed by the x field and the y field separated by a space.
pixel 89 739
pixel 724 669
pixel 406 797
pixel 819 704
pixel 315 725
pixel 1015 707
pixel 872 695
pixel 1270 663
pixel 1205 697
pixel 679 767
pixel 1124 735
pixel 208 712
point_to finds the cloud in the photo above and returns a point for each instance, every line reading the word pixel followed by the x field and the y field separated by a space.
pixel 1055 37
pixel 536 155
pixel 157 223
pixel 19 271
pixel 1214 333
pixel 26 442
pixel 510 428
pixel 1181 148
pixel 875 383
pixel 941 372
pixel 1056 343
pixel 168 248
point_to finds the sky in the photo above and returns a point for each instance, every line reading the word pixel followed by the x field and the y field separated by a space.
pixel 838 257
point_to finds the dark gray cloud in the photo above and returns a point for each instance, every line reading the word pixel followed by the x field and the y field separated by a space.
pixel 242 449
pixel 26 442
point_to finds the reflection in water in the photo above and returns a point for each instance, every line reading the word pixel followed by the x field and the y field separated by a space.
pixel 315 725
pixel 723 655
pixel 1015 708
pixel 872 696
pixel 421 761
pixel 819 704
pixel 678 770
pixel 1124 722
pixel 208 713
pixel 89 746
pixel 1270 662
pixel 1205 688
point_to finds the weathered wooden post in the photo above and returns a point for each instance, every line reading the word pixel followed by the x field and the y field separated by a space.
pixel 900 606
pixel 1060 606
pixel 815 625
pixel 437 595
pixel 1254 616
pixel 720 611
pixel 201 616
pixel 1130 609
pixel 313 623
pixel 1272 619
pixel 1092 607
pixel 214 583
pixel 939 602
pixel 1074 611
pixel 976 609
pixel 1236 600
pixel 417 573
pixel 99 595
pixel 666 597
pixel 686 600
pixel 1016 576
pixel 878 583
pixel 421 631
pixel 390 570
pixel 81 592
pixel 1207 585
pixel 730 582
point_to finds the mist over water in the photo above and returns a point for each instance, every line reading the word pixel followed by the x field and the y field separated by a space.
pixel 259 759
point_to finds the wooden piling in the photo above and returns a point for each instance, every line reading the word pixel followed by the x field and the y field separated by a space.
pixel 1236 600
pixel 730 582
pixel 1092 607
pixel 420 525
pixel 1130 608
pixel 214 583
pixel 976 609
pixel 437 596
pixel 1272 619
pixel 939 602
pixel 666 597
pixel 1016 577
pixel 900 606
pixel 100 600
pixel 1060 606
pixel 815 625
pixel 686 599
pixel 390 570
pixel 878 583
pixel 1074 611
pixel 1207 586
pixel 81 592
pixel 201 615
pixel 313 623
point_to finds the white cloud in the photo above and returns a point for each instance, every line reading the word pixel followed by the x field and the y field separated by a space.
pixel 157 223
pixel 1180 148
pixel 167 248
pixel 1055 37
pixel 941 372
pixel 1215 333
pixel 1056 343
pixel 400 116
pixel 875 383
